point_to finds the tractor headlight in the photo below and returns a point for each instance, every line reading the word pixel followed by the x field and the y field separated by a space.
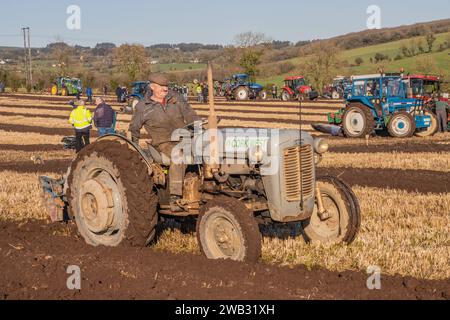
pixel 321 146
pixel 256 154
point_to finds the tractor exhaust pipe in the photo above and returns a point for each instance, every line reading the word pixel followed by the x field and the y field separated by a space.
pixel 213 166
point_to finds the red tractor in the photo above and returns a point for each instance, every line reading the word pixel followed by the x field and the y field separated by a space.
pixel 296 89
pixel 423 86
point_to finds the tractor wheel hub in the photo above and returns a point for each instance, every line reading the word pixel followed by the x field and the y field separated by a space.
pixel 96 205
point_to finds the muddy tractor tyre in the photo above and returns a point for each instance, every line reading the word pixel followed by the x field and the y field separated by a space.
pixel 111 196
pixel 344 220
pixel 242 94
pixel 64 92
pixel 226 229
pixel 432 130
pixel 358 121
pixel 285 96
pixel 401 125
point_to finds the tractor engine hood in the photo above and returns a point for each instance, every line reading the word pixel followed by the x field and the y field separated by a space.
pixel 256 146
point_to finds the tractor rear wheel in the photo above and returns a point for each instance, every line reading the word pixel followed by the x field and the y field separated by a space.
pixel 431 131
pixel 54 90
pixel 401 125
pixel 285 96
pixel 64 92
pixel 343 219
pixel 357 121
pixel 226 229
pixel 241 94
pixel 111 196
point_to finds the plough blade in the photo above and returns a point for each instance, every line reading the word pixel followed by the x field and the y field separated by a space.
pixel 54 198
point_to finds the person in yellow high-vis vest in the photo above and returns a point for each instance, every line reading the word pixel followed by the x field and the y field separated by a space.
pixel 81 119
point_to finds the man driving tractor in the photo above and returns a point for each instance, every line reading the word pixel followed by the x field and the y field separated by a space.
pixel 162 112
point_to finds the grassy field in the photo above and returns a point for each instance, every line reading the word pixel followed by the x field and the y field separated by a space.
pixel 392 49
pixel 404 232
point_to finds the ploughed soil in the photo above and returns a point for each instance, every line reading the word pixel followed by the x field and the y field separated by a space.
pixel 406 147
pixel 34 258
pixel 422 181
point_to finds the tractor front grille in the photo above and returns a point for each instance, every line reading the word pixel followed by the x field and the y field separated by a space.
pixel 299 173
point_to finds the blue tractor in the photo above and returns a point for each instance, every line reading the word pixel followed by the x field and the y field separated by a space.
pixel 380 102
pixel 240 88
pixel 138 91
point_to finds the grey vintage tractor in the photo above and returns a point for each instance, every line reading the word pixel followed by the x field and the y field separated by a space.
pixel 235 179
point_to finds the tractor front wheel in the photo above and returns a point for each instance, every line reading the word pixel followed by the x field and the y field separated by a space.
pixel 64 92
pixel 263 95
pixel 285 96
pixel 226 229
pixel 111 197
pixel 341 220
pixel 335 95
pixel 357 121
pixel 401 125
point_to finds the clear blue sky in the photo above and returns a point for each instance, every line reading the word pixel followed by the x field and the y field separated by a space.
pixel 204 21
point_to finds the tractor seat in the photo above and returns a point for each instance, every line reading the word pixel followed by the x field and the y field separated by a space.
pixel 158 157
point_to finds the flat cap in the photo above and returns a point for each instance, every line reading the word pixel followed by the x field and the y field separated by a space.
pixel 79 103
pixel 160 79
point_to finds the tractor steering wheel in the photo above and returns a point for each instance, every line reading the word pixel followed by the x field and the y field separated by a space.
pixel 204 122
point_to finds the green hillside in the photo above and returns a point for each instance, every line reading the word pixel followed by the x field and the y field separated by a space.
pixel 439 61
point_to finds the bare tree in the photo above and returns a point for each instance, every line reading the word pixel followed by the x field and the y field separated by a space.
pixel 322 64
pixel 132 60
pixel 62 53
pixel 251 39
pixel 250 46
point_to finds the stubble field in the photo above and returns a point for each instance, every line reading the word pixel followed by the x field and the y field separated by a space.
pixel 403 187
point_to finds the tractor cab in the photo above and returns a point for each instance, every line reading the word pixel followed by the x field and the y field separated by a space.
pixel 422 86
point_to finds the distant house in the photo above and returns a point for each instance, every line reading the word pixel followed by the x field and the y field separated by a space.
pixel 2 62
pixel 154 62
pixel 195 61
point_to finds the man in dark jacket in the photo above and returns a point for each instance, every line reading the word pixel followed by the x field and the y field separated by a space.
pixel 119 93
pixel 104 117
pixel 442 107
pixel 161 113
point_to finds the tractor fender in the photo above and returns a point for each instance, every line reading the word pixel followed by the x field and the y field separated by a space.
pixel 289 90
pixel 133 146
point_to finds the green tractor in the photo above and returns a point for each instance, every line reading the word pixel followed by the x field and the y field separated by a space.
pixel 67 87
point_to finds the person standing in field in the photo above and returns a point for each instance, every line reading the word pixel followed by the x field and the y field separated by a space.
pixel 274 92
pixel 441 112
pixel 205 93
pixel 81 119
pixel 199 93
pixel 118 93
pixel 104 117
pixel 89 94
pixel 105 90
